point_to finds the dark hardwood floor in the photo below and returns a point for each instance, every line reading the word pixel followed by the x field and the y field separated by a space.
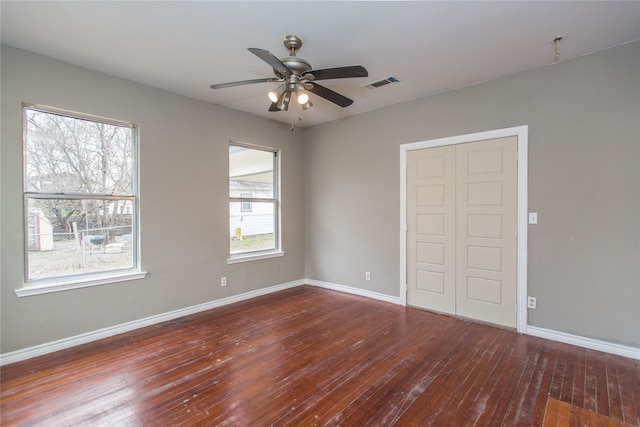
pixel 309 356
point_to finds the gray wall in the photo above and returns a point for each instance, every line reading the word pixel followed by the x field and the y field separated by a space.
pixel 184 201
pixel 341 193
pixel 584 179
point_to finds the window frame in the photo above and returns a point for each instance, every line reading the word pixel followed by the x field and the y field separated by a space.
pixel 73 281
pixel 276 201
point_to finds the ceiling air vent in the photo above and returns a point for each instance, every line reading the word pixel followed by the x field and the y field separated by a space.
pixel 381 83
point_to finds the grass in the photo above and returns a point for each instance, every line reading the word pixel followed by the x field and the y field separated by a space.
pixel 68 259
pixel 260 242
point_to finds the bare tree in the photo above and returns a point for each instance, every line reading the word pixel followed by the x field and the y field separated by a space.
pixel 67 155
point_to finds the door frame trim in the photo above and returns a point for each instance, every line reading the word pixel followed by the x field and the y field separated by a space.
pixel 522 133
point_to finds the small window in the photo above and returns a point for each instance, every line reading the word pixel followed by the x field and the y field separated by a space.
pixel 80 196
pixel 245 206
pixel 254 207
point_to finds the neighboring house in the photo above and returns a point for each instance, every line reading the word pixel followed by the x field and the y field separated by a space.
pixel 246 218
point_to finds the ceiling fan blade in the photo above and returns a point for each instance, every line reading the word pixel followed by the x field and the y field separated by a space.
pixel 245 82
pixel 271 59
pixel 330 95
pixel 338 73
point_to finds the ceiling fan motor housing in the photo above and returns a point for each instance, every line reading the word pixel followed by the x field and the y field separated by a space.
pixel 295 64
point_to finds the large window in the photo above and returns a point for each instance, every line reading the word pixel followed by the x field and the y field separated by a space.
pixel 253 202
pixel 80 196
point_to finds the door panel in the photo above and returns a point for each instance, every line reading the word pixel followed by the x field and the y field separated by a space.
pixel 431 229
pixel 486 207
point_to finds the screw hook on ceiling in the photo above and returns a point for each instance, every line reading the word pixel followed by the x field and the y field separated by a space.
pixel 556 46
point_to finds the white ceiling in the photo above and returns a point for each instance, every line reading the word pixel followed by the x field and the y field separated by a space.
pixel 430 46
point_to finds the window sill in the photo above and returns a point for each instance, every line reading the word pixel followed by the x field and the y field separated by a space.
pixel 253 257
pixel 68 284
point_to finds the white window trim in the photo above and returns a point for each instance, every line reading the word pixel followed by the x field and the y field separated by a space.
pixel 274 253
pixel 79 282
pixel 254 256
pixel 64 283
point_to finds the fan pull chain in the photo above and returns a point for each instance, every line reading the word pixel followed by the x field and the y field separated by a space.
pixel 291 113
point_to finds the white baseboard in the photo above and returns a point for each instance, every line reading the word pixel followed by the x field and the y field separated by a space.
pixel 41 349
pixel 607 347
pixel 355 291
pixel 604 346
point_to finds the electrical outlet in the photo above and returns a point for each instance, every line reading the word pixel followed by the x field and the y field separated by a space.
pixel 531 302
pixel 367 276
pixel 223 281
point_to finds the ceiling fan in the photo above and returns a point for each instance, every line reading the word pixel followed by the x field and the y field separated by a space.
pixel 297 78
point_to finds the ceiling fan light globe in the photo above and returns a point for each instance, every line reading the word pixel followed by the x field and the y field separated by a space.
pixel 273 96
pixel 303 98
pixel 307 105
pixel 276 95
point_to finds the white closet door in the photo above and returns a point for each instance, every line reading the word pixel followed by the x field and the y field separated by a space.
pixel 431 229
pixel 486 211
pixel 461 230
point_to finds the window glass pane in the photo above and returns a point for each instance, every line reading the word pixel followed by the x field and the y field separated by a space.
pixel 73 155
pixel 251 172
pixel 70 237
pixel 252 231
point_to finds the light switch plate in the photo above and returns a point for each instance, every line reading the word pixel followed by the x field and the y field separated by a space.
pixel 533 217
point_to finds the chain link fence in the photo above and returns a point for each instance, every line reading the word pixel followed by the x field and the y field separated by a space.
pixel 82 251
